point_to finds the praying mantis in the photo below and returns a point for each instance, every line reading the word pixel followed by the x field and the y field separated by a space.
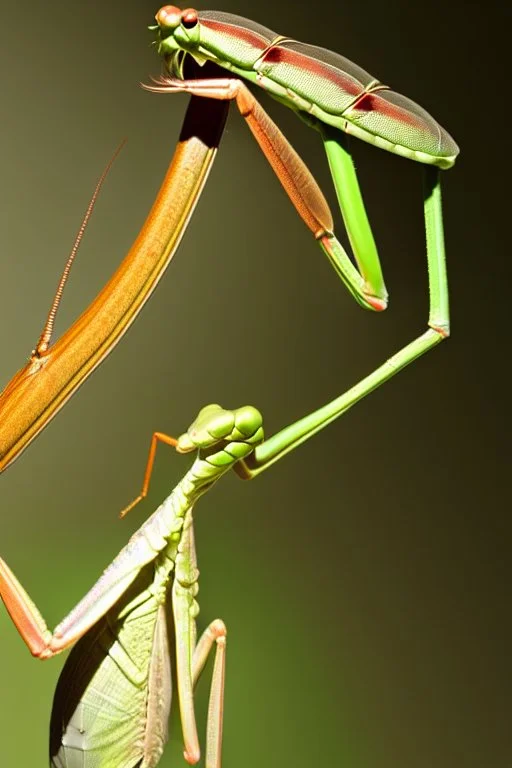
pixel 113 698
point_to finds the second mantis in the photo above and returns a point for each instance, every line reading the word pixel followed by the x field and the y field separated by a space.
pixel 112 703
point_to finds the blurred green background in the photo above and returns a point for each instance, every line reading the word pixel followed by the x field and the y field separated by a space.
pixel 363 579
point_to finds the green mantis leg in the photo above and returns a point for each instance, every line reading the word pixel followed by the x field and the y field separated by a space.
pixel 353 211
pixel 290 437
pixel 191 657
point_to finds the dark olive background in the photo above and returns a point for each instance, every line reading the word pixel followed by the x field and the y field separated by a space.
pixel 363 579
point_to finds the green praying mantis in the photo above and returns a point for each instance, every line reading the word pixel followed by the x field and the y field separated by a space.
pixel 113 698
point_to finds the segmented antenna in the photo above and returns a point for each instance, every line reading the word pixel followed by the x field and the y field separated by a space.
pixel 46 335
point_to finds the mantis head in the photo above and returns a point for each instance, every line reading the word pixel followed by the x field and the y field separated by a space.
pixel 222 38
pixel 239 430
pixel 178 34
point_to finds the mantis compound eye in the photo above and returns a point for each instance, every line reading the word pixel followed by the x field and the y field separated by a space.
pixel 168 17
pixel 189 18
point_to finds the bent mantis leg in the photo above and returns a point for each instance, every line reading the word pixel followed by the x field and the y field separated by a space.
pixel 367 284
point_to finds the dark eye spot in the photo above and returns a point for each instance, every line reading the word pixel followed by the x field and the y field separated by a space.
pixel 189 18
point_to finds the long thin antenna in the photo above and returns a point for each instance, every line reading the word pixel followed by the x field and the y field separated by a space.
pixel 46 335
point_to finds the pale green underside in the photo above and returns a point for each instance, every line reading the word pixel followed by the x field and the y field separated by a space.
pixel 108 722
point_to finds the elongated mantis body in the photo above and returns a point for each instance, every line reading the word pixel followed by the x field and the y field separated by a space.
pixel 53 373
pixel 335 97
